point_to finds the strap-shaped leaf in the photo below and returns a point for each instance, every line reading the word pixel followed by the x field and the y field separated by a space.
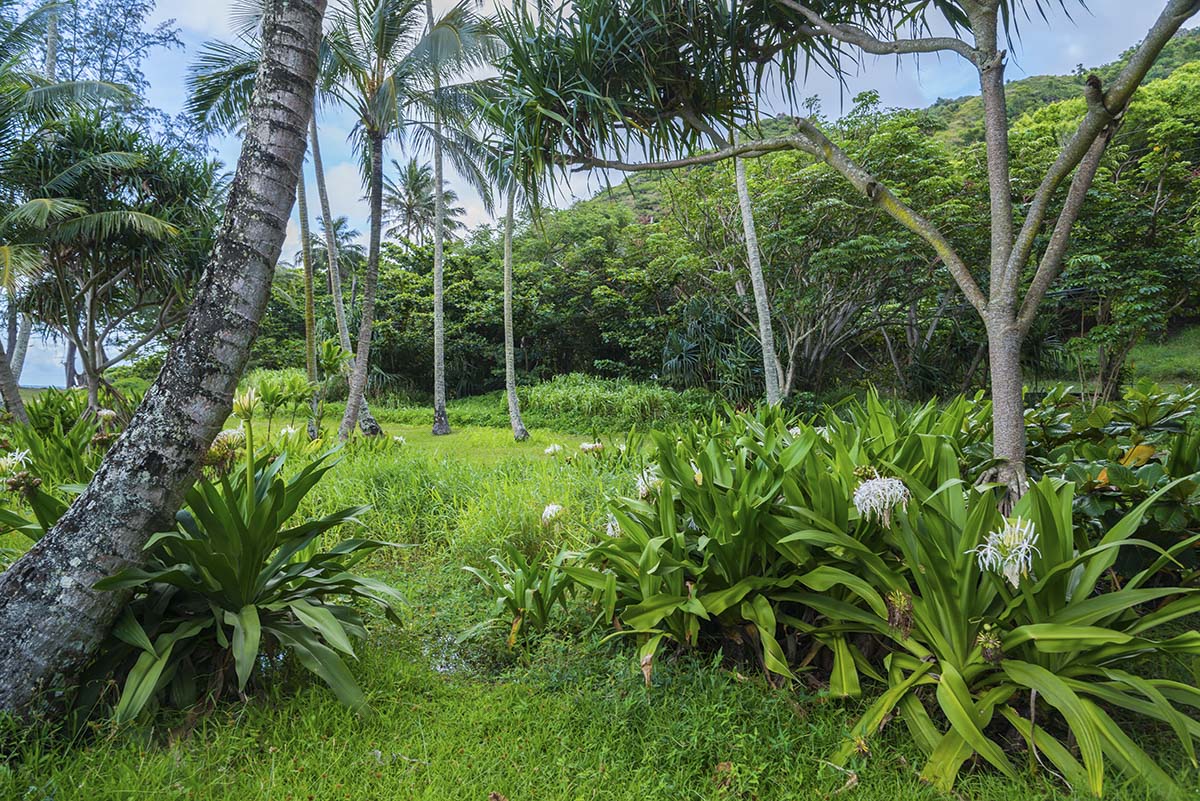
pixel 1083 725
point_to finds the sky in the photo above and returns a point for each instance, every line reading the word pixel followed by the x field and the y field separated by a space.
pixel 1091 36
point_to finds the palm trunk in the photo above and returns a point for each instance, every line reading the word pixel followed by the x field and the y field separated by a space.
pixel 365 420
pixel 52 621
pixel 762 304
pixel 358 376
pixel 520 433
pixel 10 392
pixel 21 346
pixel 441 421
pixel 310 307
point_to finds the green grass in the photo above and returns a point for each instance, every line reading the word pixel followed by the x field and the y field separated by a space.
pixel 1173 361
pixel 569 718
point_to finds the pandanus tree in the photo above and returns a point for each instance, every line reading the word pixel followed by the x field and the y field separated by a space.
pixel 52 618
pixel 388 62
pixel 28 99
pixel 124 223
pixel 618 84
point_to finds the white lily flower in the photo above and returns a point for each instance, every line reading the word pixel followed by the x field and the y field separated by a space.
pixel 648 482
pixel 551 511
pixel 1010 550
pixel 553 449
pixel 876 497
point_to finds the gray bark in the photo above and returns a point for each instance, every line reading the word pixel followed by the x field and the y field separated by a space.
pixel 762 305
pixel 520 433
pixel 310 306
pixel 441 421
pixel 366 420
pixel 358 376
pixel 10 392
pixel 51 619
pixel 21 345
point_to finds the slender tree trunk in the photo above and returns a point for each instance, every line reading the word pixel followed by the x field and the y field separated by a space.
pixel 365 420
pixel 441 421
pixel 1008 405
pixel 21 346
pixel 51 619
pixel 69 366
pixel 510 361
pixel 358 376
pixel 310 308
pixel 762 304
pixel 10 392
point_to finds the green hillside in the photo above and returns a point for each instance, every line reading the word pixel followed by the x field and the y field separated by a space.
pixel 957 121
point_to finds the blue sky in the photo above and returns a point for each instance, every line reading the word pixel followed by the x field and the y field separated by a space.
pixel 1089 38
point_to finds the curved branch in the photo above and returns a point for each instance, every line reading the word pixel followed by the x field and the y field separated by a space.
pixel 860 38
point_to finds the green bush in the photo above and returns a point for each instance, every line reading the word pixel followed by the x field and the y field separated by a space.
pixel 237 579
pixel 808 547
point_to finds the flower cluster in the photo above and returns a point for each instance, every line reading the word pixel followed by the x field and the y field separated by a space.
pixel 1010 550
pixel 246 404
pixel 877 497
pixel 551 511
pixel 553 449
pixel 648 482
pixel 399 440
pixel 591 447
pixel 611 527
pixel 11 461
pixel 106 415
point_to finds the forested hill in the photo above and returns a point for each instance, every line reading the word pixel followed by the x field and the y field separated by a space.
pixel 956 121
pixel 960 118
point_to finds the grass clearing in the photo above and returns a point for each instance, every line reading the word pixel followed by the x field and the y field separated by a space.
pixel 1173 361
pixel 568 719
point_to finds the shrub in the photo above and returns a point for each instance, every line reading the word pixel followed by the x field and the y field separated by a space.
pixel 234 580
pixel 1013 619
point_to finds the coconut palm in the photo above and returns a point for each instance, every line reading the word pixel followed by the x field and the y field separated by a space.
pixel 387 63
pixel 220 84
pixel 409 204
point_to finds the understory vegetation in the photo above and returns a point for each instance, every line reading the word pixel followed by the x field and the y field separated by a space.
pixel 715 610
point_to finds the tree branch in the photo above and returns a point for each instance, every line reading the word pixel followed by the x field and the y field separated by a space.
pixel 1052 258
pixel 860 38
pixel 1104 108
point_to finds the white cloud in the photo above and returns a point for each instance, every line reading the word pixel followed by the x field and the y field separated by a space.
pixel 201 17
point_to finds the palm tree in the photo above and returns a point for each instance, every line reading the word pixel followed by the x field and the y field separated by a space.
pixel 408 202
pixel 386 61
pixel 52 619
pixel 220 85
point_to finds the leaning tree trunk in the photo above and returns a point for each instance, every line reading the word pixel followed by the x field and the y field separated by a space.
pixel 520 433
pixel 358 376
pixel 441 421
pixel 1008 405
pixel 365 420
pixel 310 306
pixel 10 391
pixel 52 621
pixel 762 304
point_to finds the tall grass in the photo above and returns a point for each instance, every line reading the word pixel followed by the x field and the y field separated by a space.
pixel 577 403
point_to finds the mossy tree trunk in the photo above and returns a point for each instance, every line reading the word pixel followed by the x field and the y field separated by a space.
pixel 52 621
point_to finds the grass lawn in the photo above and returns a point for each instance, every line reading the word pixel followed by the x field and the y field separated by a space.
pixel 566 718
pixel 1173 361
